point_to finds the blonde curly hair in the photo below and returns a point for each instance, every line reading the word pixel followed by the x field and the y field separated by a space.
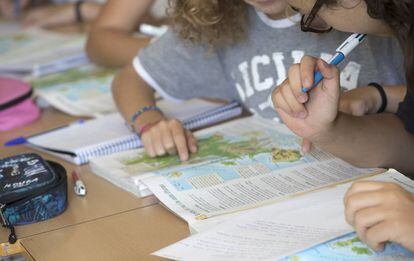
pixel 210 22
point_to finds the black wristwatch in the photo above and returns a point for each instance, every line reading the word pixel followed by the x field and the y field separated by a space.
pixel 78 11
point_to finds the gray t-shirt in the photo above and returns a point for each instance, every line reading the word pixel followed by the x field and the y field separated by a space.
pixel 248 71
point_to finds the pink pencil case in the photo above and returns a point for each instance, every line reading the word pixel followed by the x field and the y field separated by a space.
pixel 16 105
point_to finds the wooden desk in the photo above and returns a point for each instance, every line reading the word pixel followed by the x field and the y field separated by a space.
pixel 103 199
pixel 132 235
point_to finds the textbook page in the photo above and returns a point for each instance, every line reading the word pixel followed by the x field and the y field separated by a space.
pixel 275 231
pixel 86 91
pixel 258 162
pixel 26 51
pixel 83 91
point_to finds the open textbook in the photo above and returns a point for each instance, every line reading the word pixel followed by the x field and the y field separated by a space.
pixel 38 52
pixel 82 91
pixel 242 164
pixel 288 230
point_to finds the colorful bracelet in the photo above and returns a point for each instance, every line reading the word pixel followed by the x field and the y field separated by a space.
pixel 142 110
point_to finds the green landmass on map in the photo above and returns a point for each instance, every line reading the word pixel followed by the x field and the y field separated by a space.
pixel 73 75
pixel 175 175
pixel 21 37
pixel 284 155
pixel 213 147
pixel 359 250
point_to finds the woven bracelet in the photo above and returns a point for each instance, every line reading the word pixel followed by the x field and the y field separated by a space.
pixel 142 110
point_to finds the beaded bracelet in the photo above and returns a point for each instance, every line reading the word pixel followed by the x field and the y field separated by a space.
pixel 142 110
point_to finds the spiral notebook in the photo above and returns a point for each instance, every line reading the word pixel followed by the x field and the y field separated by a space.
pixel 80 141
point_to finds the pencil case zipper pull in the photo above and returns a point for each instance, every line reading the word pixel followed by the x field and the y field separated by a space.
pixel 12 235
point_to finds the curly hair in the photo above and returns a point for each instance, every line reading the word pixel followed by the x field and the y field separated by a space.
pixel 209 21
pixel 399 16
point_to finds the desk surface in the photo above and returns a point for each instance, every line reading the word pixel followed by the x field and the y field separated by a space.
pixel 132 235
pixel 103 198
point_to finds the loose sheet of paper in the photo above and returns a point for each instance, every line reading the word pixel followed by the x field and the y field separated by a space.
pixel 275 231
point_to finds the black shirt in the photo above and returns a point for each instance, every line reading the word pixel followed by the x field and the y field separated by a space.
pixel 406 111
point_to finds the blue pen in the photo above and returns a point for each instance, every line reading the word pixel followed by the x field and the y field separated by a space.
pixel 22 140
pixel 346 47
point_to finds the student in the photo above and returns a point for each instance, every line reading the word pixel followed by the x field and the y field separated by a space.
pixel 235 51
pixel 111 39
pixel 48 15
pixel 380 212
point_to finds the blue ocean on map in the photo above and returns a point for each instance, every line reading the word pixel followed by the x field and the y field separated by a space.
pixel 350 248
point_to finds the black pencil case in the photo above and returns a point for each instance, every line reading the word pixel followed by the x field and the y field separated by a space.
pixel 31 190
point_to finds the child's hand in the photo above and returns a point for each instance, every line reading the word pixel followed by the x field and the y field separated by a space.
pixel 169 136
pixel 311 114
pixel 360 101
pixel 381 212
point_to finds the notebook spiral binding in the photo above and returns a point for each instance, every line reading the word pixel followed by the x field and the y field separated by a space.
pixel 213 116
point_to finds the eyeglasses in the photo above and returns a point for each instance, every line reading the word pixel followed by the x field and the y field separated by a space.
pixel 313 23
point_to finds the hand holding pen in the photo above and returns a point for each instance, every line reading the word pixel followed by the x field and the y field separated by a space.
pixel 307 101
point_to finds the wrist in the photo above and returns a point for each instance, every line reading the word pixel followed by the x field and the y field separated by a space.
pixel 90 11
pixel 378 98
pixel 327 134
pixel 147 118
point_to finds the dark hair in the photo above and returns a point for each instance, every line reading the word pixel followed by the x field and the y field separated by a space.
pixel 399 15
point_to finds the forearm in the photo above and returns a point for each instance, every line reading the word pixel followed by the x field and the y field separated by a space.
pixel 395 95
pixel 116 52
pixel 131 93
pixel 370 141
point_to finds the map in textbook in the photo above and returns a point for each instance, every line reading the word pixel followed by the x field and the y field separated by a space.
pixel 83 91
pixel 350 248
pixel 13 41
pixel 83 78
pixel 222 157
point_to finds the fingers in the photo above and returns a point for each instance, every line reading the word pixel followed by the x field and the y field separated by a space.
pixel 359 201
pixel 169 137
pixel 330 82
pixel 147 142
pixel 288 96
pixel 192 142
pixel 363 186
pixel 378 235
pixel 180 139
pixel 307 71
pixel 306 146
pixel 366 218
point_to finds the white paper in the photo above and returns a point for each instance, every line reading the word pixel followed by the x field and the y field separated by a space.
pixel 275 231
